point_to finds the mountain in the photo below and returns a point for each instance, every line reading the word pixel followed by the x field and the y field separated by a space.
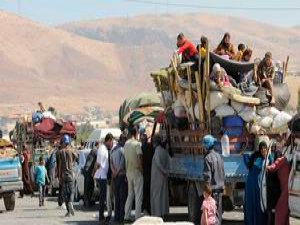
pixel 102 62
pixel 40 63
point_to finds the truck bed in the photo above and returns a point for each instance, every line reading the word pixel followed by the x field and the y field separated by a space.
pixel 190 167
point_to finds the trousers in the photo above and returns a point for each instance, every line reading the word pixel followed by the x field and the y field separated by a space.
pixel 135 192
pixel 120 186
pixel 102 197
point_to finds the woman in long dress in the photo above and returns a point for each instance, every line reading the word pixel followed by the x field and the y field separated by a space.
pixel 159 179
pixel 282 166
pixel 253 215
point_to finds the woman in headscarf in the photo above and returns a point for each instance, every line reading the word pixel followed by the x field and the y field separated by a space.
pixel 159 179
pixel 225 48
pixel 27 189
pixel 219 76
pixel 253 215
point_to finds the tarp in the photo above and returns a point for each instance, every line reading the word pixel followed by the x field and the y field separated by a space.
pixel 142 100
pixel 50 129
pixel 232 68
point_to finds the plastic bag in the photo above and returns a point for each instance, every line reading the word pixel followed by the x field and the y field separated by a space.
pixel 266 121
pixel 224 110
pixel 268 111
pixel 217 98
pixel 237 106
pixel 281 119
pixel 248 114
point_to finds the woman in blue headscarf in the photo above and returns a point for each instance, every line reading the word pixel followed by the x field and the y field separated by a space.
pixel 253 215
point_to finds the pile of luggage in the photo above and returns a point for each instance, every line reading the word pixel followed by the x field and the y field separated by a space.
pixel 139 109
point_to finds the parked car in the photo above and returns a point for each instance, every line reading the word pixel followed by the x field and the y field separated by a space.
pixel 10 176
pixel 96 135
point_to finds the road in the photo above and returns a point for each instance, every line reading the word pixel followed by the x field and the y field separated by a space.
pixel 27 212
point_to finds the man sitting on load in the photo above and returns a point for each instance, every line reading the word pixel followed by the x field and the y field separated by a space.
pixel 225 48
pixel 186 48
pixel 265 74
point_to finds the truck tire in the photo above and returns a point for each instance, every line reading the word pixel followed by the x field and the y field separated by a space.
pixel 194 206
pixel 9 201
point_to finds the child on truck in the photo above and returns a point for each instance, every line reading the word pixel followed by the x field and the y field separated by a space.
pixel 40 179
pixel 208 208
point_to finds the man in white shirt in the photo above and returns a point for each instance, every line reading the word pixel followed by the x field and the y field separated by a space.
pixel 101 167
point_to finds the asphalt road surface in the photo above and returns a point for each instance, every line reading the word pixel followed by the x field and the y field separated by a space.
pixel 27 212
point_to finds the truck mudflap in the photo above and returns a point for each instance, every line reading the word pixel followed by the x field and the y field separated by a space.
pixel 10 186
pixel 190 167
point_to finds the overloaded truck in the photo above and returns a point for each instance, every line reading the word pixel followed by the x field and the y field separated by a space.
pixel 10 174
pixel 194 106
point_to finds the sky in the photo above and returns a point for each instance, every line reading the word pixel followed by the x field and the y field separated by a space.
pixel 55 12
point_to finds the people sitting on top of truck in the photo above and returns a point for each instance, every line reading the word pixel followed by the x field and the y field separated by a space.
pixel 219 76
pixel 225 48
pixel 246 57
pixel 241 50
pixel 265 74
pixel 186 48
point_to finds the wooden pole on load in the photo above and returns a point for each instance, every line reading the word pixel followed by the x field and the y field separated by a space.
pixel 161 91
pixel 285 67
pixel 170 86
pixel 200 101
pixel 189 72
pixel 207 87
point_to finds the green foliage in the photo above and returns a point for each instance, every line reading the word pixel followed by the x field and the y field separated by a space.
pixel 83 132
pixel 298 105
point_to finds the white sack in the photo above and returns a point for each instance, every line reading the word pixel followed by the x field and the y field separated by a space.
pixel 224 110
pixel 266 121
pixel 217 98
pixel 237 106
pixel 281 119
pixel 248 114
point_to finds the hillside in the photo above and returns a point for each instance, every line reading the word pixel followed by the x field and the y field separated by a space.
pixel 162 30
pixel 101 62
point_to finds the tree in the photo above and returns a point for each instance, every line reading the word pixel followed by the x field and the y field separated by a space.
pixel 298 105
pixel 83 132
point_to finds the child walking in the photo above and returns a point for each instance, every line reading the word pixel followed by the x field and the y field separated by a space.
pixel 208 208
pixel 40 179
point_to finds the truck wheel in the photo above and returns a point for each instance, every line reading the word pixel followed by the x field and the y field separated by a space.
pixel 9 201
pixel 193 204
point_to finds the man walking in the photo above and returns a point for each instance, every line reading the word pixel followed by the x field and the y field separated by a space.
pixel 100 175
pixel 65 158
pixel 117 163
pixel 134 172
pixel 213 173
pixel 88 175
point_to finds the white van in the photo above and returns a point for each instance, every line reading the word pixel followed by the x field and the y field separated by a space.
pixel 99 135
pixel 96 135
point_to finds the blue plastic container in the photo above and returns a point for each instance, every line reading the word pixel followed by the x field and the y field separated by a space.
pixel 234 126
pixel 233 121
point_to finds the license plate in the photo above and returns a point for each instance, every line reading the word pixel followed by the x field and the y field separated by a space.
pixel 8 173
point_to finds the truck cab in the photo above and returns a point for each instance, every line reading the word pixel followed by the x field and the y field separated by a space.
pixel 10 174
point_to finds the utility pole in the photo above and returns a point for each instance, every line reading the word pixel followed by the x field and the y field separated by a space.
pixel 19 7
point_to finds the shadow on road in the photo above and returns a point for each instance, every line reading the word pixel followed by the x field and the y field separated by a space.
pixel 82 222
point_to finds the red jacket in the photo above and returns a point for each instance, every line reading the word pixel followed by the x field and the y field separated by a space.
pixel 188 49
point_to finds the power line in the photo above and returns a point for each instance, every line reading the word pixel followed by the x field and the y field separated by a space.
pixel 183 5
